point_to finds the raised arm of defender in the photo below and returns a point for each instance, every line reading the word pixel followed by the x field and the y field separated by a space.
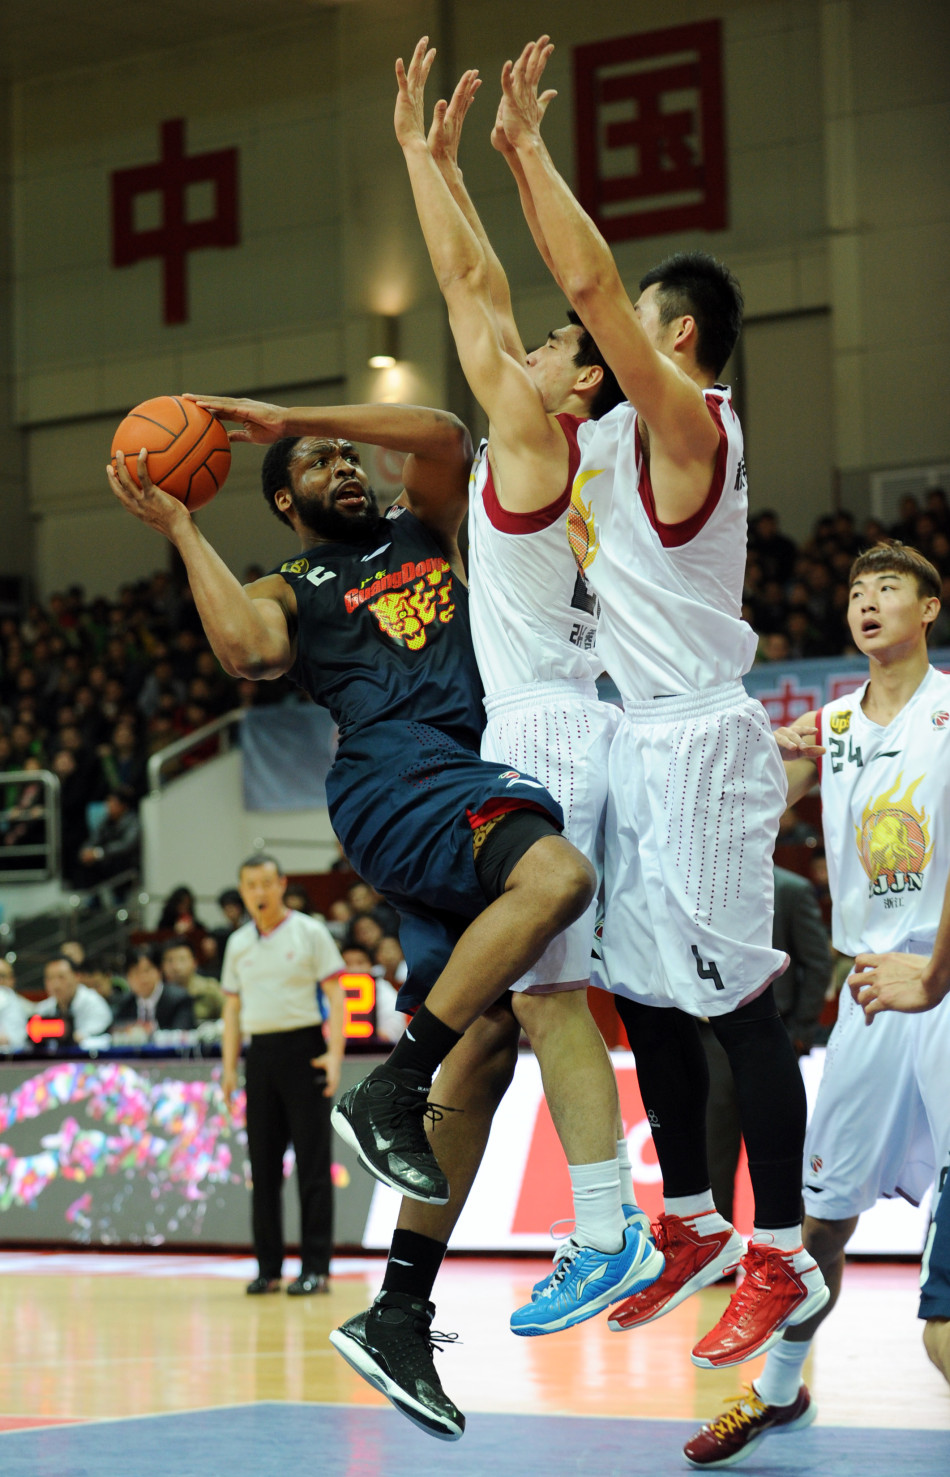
pixel 525 440
pixel 683 439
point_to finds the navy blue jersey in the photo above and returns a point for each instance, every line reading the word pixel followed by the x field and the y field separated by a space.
pixel 383 632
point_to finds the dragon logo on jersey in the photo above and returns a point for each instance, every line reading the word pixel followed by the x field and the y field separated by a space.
pixel 405 615
pixel 893 841
pixel 581 533
pixel 841 722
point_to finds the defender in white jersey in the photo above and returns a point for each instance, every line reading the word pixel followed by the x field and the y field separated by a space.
pixel 522 632
pixel 658 527
pixel 911 983
pixel 882 757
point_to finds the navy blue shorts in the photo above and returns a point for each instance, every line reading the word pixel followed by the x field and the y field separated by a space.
pixel 935 1272
pixel 400 797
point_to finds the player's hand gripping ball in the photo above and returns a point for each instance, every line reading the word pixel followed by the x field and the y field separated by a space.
pixel 189 454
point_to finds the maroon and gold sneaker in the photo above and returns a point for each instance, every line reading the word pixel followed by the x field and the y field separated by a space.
pixel 733 1436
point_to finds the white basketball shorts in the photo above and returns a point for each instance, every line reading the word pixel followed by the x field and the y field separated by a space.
pixel 696 786
pixel 882 1105
pixel 560 733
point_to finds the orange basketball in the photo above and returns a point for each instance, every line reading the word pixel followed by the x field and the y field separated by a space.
pixel 189 454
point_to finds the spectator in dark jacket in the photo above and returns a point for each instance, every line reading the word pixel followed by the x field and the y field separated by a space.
pixel 113 844
pixel 152 1002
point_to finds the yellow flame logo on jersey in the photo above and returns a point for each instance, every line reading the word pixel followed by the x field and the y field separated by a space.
pixel 893 841
pixel 404 615
pixel 581 533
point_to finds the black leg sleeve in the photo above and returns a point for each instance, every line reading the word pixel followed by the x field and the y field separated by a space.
pixel 772 1107
pixel 723 1129
pixel 268 1134
pixel 674 1083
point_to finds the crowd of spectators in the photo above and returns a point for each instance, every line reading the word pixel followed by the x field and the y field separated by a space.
pixel 90 689
pixel 796 596
pixel 170 981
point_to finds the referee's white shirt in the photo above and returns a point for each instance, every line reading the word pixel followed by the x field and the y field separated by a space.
pixel 276 974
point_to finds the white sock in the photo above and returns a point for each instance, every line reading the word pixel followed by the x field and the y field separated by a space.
pixel 628 1195
pixel 598 1216
pixel 788 1238
pixel 779 1382
pixel 686 1205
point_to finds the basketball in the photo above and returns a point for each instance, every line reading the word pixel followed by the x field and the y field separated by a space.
pixel 189 454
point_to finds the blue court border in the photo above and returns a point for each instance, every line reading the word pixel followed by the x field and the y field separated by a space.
pixel 283 1439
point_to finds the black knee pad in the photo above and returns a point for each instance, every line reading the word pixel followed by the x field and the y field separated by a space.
pixel 505 845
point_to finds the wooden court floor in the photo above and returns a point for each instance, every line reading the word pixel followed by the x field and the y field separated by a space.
pixel 90 1337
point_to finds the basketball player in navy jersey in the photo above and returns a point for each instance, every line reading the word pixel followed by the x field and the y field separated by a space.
pixel 372 621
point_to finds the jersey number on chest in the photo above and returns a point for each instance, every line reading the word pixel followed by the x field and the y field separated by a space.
pixel 838 757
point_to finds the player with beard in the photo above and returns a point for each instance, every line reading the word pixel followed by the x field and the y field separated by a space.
pixel 371 620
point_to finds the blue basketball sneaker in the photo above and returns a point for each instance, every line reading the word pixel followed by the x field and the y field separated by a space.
pixel 632 1216
pixel 585 1281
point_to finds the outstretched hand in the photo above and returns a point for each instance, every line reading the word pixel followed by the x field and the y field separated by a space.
pixel 409 119
pixel 257 421
pixel 499 138
pixel 149 503
pixel 798 743
pixel 448 117
pixel 523 107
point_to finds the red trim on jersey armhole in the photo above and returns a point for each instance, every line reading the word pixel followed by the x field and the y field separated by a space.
pixel 539 518
pixel 501 805
pixel 675 535
pixel 818 741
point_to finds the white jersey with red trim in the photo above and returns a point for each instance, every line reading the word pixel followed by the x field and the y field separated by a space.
pixel 533 615
pixel 885 802
pixel 670 594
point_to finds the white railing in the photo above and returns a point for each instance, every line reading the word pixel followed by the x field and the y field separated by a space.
pixel 14 859
pixel 225 726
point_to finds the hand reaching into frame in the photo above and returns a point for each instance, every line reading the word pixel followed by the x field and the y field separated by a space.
pixel 409 118
pixel 257 421
pixel 447 119
pixel 523 107
pixel 798 743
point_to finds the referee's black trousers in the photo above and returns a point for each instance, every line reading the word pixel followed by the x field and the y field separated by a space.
pixel 285 1104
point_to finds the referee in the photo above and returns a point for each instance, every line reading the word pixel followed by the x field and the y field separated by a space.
pixel 272 967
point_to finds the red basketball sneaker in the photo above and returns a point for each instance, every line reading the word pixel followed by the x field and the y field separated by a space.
pixel 698 1250
pixel 779 1288
pixel 731 1438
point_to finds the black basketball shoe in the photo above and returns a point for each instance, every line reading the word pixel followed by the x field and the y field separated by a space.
pixel 382 1119
pixel 391 1345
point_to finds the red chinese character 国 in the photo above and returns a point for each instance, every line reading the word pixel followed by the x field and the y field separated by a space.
pixel 650 136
